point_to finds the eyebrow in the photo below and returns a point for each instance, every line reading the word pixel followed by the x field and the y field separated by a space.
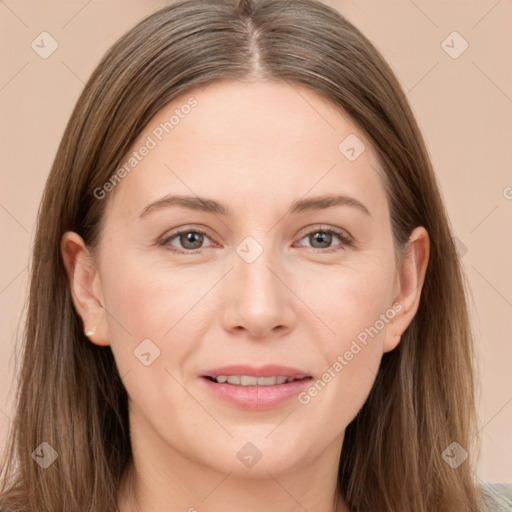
pixel 211 206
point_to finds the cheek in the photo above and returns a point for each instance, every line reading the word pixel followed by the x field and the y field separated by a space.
pixel 349 299
pixel 154 327
pixel 356 309
pixel 149 304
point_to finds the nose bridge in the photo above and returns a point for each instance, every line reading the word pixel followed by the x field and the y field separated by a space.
pixel 259 286
pixel 259 301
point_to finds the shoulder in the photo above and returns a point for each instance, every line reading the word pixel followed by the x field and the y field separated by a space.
pixel 497 496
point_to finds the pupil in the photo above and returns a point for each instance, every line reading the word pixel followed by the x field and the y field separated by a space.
pixel 323 238
pixel 195 239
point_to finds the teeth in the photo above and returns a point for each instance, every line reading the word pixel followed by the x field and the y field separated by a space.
pixel 248 380
pixel 244 380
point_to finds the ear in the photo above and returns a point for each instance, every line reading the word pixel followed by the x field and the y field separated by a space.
pixel 85 286
pixel 411 275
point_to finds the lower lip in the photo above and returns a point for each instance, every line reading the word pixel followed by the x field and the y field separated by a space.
pixel 257 398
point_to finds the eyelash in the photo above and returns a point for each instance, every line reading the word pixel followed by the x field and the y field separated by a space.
pixel 346 241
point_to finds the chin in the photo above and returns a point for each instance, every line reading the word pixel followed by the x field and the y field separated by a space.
pixel 256 459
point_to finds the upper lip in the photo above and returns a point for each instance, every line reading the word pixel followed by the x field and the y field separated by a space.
pixel 269 370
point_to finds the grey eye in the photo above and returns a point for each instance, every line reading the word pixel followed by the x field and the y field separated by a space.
pixel 323 238
pixel 191 240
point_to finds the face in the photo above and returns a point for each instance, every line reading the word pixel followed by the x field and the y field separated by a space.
pixel 260 273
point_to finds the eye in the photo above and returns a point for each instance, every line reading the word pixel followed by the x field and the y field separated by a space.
pixel 321 239
pixel 188 239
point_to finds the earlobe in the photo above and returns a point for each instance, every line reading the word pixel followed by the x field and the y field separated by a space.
pixel 411 276
pixel 85 287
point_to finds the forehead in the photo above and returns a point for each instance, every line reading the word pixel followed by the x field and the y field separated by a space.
pixel 248 141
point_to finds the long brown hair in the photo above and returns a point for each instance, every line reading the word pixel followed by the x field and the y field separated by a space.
pixel 70 394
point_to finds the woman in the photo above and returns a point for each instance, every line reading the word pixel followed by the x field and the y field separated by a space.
pixel 244 290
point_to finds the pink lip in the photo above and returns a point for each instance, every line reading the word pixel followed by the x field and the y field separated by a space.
pixel 256 398
pixel 269 370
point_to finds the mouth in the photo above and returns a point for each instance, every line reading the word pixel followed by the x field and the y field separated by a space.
pixel 251 380
pixel 256 388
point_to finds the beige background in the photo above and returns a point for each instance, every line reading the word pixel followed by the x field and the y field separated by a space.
pixel 463 105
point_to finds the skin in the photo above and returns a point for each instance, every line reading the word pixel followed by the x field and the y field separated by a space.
pixel 256 147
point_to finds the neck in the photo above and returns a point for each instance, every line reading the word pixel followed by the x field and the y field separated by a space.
pixel 229 495
pixel 152 484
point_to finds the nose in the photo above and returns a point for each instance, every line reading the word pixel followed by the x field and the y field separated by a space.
pixel 259 299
